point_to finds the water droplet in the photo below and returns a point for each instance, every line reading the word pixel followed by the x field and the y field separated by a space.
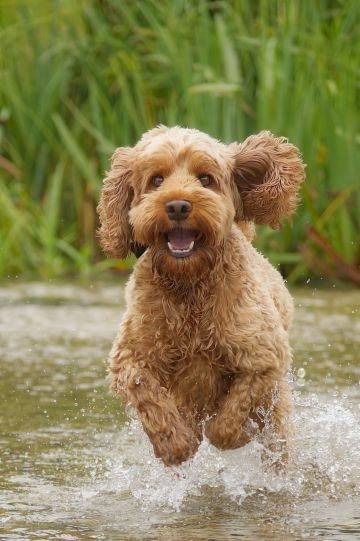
pixel 301 373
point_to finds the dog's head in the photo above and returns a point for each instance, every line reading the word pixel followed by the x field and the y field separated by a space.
pixel 178 192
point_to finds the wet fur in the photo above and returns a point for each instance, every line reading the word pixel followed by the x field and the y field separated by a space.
pixel 203 346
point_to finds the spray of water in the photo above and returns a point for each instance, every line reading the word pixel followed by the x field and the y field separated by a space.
pixel 324 458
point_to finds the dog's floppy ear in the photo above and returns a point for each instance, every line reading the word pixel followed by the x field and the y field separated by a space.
pixel 268 171
pixel 114 205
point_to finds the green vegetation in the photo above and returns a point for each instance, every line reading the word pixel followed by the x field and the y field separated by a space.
pixel 79 78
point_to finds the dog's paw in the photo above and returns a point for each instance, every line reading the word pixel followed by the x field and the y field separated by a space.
pixel 175 446
pixel 224 435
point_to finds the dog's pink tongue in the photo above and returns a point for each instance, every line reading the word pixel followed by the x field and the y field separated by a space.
pixel 181 239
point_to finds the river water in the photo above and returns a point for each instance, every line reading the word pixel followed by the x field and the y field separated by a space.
pixel 74 467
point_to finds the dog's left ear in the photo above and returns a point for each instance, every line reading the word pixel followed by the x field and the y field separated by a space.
pixel 267 172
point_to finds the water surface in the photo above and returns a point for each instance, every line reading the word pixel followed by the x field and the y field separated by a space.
pixel 74 467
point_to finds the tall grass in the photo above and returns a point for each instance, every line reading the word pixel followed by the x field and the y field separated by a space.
pixel 79 78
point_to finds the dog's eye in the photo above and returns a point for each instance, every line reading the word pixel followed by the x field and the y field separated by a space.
pixel 205 180
pixel 157 180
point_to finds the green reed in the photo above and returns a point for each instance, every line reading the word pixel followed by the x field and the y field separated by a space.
pixel 79 78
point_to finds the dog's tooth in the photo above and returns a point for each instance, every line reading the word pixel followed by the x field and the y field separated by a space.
pixel 180 250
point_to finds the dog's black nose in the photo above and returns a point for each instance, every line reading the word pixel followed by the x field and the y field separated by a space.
pixel 178 210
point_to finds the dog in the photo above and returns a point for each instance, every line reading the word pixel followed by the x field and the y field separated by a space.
pixel 203 347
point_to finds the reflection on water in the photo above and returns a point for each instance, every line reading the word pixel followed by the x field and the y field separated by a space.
pixel 72 467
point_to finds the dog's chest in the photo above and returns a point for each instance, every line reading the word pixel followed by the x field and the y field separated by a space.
pixel 188 345
pixel 197 385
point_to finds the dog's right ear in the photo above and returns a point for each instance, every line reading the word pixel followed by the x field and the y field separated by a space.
pixel 114 205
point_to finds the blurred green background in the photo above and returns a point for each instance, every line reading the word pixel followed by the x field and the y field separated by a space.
pixel 79 78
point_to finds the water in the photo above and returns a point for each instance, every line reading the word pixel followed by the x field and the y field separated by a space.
pixel 73 467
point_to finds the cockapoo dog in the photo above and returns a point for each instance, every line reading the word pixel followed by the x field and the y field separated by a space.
pixel 203 347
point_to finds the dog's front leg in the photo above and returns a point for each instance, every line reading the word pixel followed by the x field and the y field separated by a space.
pixel 173 441
pixel 254 399
pixel 227 428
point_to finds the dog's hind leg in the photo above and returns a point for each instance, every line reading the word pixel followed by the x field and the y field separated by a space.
pixel 276 419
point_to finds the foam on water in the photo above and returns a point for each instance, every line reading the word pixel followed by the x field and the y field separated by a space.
pixel 324 458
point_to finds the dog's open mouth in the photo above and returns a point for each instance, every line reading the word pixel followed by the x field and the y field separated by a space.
pixel 181 242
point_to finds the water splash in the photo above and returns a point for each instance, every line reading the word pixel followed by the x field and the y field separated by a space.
pixel 324 458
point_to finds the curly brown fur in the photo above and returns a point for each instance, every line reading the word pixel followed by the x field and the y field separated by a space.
pixel 203 346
